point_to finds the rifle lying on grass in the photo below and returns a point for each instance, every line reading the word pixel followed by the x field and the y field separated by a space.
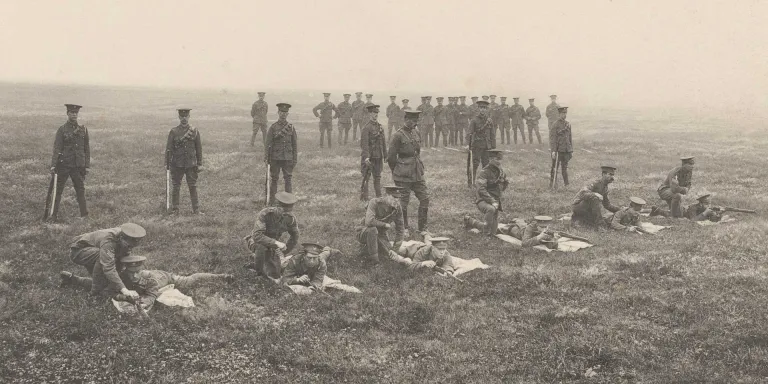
pixel 732 209
pixel 568 235
pixel 136 304
pixel 438 269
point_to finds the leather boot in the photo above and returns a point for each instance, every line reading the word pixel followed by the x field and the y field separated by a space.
pixel 423 219
pixel 405 217
pixel 194 200
pixel 377 186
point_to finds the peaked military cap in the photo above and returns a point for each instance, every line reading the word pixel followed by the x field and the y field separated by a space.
pixel 562 109
pixel 686 158
pixel 503 97
pixel 517 98
pixel 543 218
pixel 368 95
pixel 262 93
pixel 184 111
pixel 440 98
pixel 607 168
pixel 132 230
pixel 434 240
pixel 286 198
pixel 73 107
pixel 412 114
pixel 637 200
pixel 462 97
pixel 531 99
pixel 373 108
pixel 393 188
pixel 405 100
pixel 473 97
pixel 283 107
pixel 485 97
pixel 493 95
pixel 347 95
pixel 703 196
pixel 326 94
pixel 552 96
pixel 133 262
pixel 393 97
pixel 483 103
pixel 312 248
pixel 358 93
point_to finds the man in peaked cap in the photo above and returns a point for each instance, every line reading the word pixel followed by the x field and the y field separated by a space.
pixel 472 110
pixel 380 214
pixel 373 147
pixel 586 204
pixel 562 151
pixel 184 158
pixel 489 185
pixel 281 151
pixel 368 103
pixel 532 117
pixel 404 161
pixel 401 120
pixel 628 218
pixel 394 117
pixel 71 159
pixel 441 122
pixel 259 111
pixel 504 113
pixel 676 184
pixel 553 114
pixel 702 211
pixel 306 267
pixel 431 254
pixel 480 138
pixel 101 252
pixel 328 112
pixel 358 116
pixel 452 115
pixel 462 121
pixel 426 121
pixel 534 235
pixel 517 115
pixel 345 117
pixel 264 240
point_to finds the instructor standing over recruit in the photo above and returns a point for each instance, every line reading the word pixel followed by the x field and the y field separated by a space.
pixel 407 168
pixel 71 159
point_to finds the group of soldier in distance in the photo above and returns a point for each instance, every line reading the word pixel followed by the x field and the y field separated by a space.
pixel 115 272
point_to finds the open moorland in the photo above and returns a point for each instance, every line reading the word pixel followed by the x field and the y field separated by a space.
pixel 688 305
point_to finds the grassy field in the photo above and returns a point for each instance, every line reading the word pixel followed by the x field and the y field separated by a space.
pixel 690 305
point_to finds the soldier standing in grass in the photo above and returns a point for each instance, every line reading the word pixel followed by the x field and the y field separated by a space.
pixel 563 147
pixel 380 213
pixel 259 114
pixel 489 185
pixel 517 115
pixel 281 151
pixel 472 109
pixel 441 122
pixel 462 120
pixel 100 253
pixel 532 117
pixel 553 115
pixel 452 109
pixel 374 149
pixel 586 205
pixel 71 159
pixel 505 113
pixel 480 136
pixel 345 117
pixel 493 112
pixel 264 241
pixel 358 114
pixel 407 169
pixel 328 112
pixel 426 121
pixel 675 185
pixel 184 157
pixel 394 117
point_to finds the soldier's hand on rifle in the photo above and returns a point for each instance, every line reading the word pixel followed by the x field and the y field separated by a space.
pixel 280 245
pixel 130 294
pixel 495 205
pixel 304 279
pixel 368 161
pixel 387 226
pixel 428 264
pixel 53 170
pixel 599 196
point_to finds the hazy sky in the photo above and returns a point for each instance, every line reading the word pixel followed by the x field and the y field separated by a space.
pixel 648 52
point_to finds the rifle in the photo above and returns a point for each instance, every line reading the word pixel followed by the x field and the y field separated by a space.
pixel 137 305
pixel 470 168
pixel 167 189
pixel 553 181
pixel 50 198
pixel 438 269
pixel 732 209
pixel 366 176
pixel 568 235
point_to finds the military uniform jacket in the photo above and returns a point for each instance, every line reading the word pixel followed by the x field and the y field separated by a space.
pixel 296 267
pixel 678 180
pixel 625 217
pixel 462 116
pixel 402 112
pixel 71 148
pixel 271 223
pixel 505 112
pixel 345 111
pixel 532 115
pixel 562 136
pixel 184 148
pixel 452 111
pixel 517 114
pixel 695 212
pixel 529 235
pixel 493 110
pixel 473 111
pixel 490 182
pixel 372 141
pixel 148 286
pixel 441 115
pixel 481 134
pixel 384 210
pixel 428 252
pixel 358 107
pixel 259 111
pixel 110 252
pixel 427 115
pixel 393 114
pixel 327 110
pixel 552 111
pixel 600 187
pixel 404 160
pixel 281 142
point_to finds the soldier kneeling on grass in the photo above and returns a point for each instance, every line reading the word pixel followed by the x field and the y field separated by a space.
pixel 431 254
pixel 264 240
pixel 146 283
